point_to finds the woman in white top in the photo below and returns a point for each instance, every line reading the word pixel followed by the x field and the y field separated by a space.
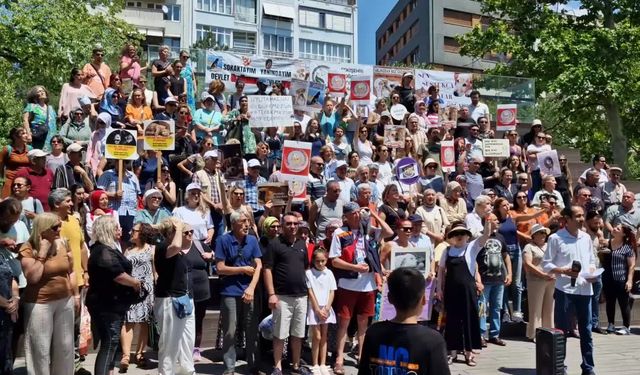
pixel 385 166
pixel 196 214
pixel 435 219
pixel 363 146
pixel 340 146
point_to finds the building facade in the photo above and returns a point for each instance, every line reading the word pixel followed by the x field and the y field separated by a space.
pixel 312 29
pixel 420 31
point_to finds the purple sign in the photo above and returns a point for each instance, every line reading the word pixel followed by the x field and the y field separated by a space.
pixel 388 312
pixel 407 171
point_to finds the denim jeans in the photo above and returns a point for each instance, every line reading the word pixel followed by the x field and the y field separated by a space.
pixel 514 290
pixel 491 299
pixel 582 306
pixel 595 303
pixel 107 326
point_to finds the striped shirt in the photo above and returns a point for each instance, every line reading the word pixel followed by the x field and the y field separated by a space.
pixel 619 267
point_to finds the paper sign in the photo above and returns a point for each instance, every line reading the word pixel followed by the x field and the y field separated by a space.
pixel 506 115
pixel 296 160
pixel 394 136
pixel 299 90
pixel 360 90
pixel 276 192
pixel 159 135
pixel 121 144
pixel 270 111
pixel 388 312
pixel 315 97
pixel 299 190
pixel 398 111
pixel 549 163
pixel 407 170
pixel 231 163
pixel 337 84
pixel 495 148
pixel 447 156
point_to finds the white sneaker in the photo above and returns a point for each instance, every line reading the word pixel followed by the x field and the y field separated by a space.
pixel 325 370
pixel 623 331
pixel 315 370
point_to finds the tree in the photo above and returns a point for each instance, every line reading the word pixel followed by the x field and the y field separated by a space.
pixel 41 40
pixel 586 60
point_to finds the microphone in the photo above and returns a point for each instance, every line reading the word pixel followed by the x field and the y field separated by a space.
pixel 575 267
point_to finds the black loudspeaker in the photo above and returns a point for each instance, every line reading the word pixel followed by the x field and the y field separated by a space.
pixel 550 351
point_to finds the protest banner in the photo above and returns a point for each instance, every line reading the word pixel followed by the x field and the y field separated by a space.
pixel 454 87
pixel 447 156
pixel 385 79
pixel 299 190
pixel 296 160
pixel 270 111
pixel 121 144
pixel 159 135
pixel 315 97
pixel 231 163
pixel 506 115
pixel 229 67
pixel 360 90
pixel 549 163
pixel 276 192
pixel 337 84
pixel 495 148
pixel 407 171
pixel 299 90
pixel 394 136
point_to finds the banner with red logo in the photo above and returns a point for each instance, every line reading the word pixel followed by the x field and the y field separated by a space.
pixel 337 84
pixel 506 116
pixel 360 90
pixel 447 156
pixel 296 160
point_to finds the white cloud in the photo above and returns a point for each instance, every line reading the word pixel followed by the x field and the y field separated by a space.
pixel 572 7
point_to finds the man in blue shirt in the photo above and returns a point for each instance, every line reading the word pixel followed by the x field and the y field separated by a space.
pixel 238 259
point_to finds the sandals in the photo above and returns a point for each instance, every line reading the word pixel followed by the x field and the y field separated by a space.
pixel 124 364
pixel 470 360
pixel 142 362
pixel 338 369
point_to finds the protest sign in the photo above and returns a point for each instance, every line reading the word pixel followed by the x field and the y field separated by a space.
pixel 408 171
pixel 231 163
pixel 315 97
pixel 337 84
pixel 360 90
pixel 276 192
pixel 270 111
pixel 299 90
pixel 495 148
pixel 299 190
pixel 394 136
pixel 159 135
pixel 549 163
pixel 385 79
pixel 454 88
pixel 398 111
pixel 447 156
pixel 506 115
pixel 296 160
pixel 121 144
pixel 229 68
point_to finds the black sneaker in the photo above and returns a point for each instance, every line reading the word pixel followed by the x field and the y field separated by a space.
pixel 302 370
pixel 82 371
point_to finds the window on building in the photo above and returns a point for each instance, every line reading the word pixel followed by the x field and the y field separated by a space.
pixel 455 17
pixel 134 4
pixel 173 13
pixel 413 56
pixel 219 35
pixel 451 44
pixel 324 20
pixel 308 17
pixel 317 50
pixel 215 6
pixel 277 45
pixel 244 42
pixel 246 10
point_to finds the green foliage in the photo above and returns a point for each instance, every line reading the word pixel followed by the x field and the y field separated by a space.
pixel 42 40
pixel 588 66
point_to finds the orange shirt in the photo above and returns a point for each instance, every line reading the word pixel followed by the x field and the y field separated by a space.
pixel 142 113
pixel 54 283
pixel 97 82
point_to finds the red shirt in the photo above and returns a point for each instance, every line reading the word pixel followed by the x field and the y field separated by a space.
pixel 40 184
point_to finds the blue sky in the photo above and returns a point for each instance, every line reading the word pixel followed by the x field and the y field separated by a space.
pixel 371 14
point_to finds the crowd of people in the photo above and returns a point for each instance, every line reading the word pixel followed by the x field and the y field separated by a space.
pixel 135 249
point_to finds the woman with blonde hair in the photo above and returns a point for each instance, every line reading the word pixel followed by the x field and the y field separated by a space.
pixel 234 201
pixel 49 299
pixel 540 284
pixel 112 292
pixel 173 307
pixel 216 89
pixel 137 111
pixel 196 213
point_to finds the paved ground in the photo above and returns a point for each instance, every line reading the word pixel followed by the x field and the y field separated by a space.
pixel 619 355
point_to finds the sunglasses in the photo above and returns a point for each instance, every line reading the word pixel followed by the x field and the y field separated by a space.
pixel 406 229
pixel 54 142
pixel 521 197
pixel 238 194
pixel 541 137
pixel 18 185
pixel 56 227
pixel 275 227
pixel 188 232
pixel 100 54
pixel 141 81
pixel 184 113
pixel 320 165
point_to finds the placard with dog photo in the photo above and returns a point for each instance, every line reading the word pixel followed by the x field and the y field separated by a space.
pixel 231 163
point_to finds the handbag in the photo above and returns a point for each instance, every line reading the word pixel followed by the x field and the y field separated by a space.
pixel 182 306
pixel 39 130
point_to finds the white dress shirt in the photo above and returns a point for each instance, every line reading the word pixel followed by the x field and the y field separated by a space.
pixel 562 249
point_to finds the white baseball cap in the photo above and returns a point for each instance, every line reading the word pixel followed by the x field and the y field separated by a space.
pixel 253 163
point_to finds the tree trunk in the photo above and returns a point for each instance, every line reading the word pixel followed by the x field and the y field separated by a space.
pixel 619 146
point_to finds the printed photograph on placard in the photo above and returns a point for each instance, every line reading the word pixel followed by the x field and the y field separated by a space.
pixel 315 96
pixel 417 258
pixel 121 144
pixel 159 135
pixel 394 136
pixel 276 192
pixel 231 163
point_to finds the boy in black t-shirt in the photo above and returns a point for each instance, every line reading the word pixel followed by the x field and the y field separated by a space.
pixel 402 345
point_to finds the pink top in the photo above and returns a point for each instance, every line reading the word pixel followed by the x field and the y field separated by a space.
pixel 132 72
pixel 69 96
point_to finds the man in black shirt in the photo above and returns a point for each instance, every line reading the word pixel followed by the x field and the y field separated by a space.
pixel 494 266
pixel 401 346
pixel 284 277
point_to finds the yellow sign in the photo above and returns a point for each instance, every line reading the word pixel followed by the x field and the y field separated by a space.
pixel 121 144
pixel 159 135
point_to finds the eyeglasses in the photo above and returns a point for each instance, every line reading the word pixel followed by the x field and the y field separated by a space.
pixel 602 161
pixel 275 227
pixel 563 160
pixel 431 166
pixel 238 194
pixel 320 165
pixel 586 195
pixel 18 185
pixel 184 113
pixel 552 203
pixel 188 232
pixel 541 137
pixel 156 198
pixel 53 142
pixel 521 197
pixel 100 54
pixel 141 81
pixel 56 227
pixel 78 114
pixel 406 229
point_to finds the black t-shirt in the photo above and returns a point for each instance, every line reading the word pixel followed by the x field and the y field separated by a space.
pixel 491 259
pixel 105 264
pixel 287 263
pixel 199 275
pixel 406 348
pixel 174 279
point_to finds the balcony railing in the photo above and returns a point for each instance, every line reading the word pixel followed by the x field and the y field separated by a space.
pixel 245 17
pixel 271 53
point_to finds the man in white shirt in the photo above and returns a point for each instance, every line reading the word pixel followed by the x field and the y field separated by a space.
pixel 599 164
pixel 539 145
pixel 345 182
pixel 567 248
pixel 613 189
pixel 478 109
